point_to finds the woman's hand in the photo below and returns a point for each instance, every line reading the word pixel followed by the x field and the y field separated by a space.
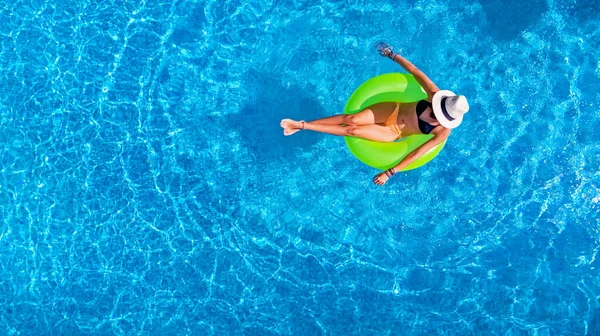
pixel 381 178
pixel 384 49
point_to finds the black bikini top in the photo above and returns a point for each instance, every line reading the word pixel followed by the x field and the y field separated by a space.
pixel 424 126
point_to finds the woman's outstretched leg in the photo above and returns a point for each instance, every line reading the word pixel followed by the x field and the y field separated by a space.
pixel 374 114
pixel 291 126
pixel 369 132
pixel 331 125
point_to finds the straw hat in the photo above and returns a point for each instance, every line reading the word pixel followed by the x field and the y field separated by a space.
pixel 449 108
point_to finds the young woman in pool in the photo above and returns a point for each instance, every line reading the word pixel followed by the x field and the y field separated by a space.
pixel 387 122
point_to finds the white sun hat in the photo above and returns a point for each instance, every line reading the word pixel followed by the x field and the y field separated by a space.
pixel 449 108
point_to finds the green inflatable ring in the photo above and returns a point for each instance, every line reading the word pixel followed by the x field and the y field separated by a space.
pixel 392 87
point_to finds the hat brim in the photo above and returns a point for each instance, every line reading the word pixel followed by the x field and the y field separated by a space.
pixel 436 103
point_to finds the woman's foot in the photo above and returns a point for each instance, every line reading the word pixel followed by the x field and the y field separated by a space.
pixel 291 126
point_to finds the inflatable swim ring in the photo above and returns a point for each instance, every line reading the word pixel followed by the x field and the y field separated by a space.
pixel 392 87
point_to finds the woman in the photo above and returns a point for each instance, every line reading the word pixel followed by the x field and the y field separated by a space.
pixel 387 122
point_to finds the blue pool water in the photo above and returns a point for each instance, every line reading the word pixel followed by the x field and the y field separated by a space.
pixel 146 187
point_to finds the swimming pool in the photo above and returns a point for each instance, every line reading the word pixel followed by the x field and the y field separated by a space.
pixel 146 187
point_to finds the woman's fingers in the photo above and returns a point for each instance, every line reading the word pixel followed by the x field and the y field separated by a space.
pixel 379 179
